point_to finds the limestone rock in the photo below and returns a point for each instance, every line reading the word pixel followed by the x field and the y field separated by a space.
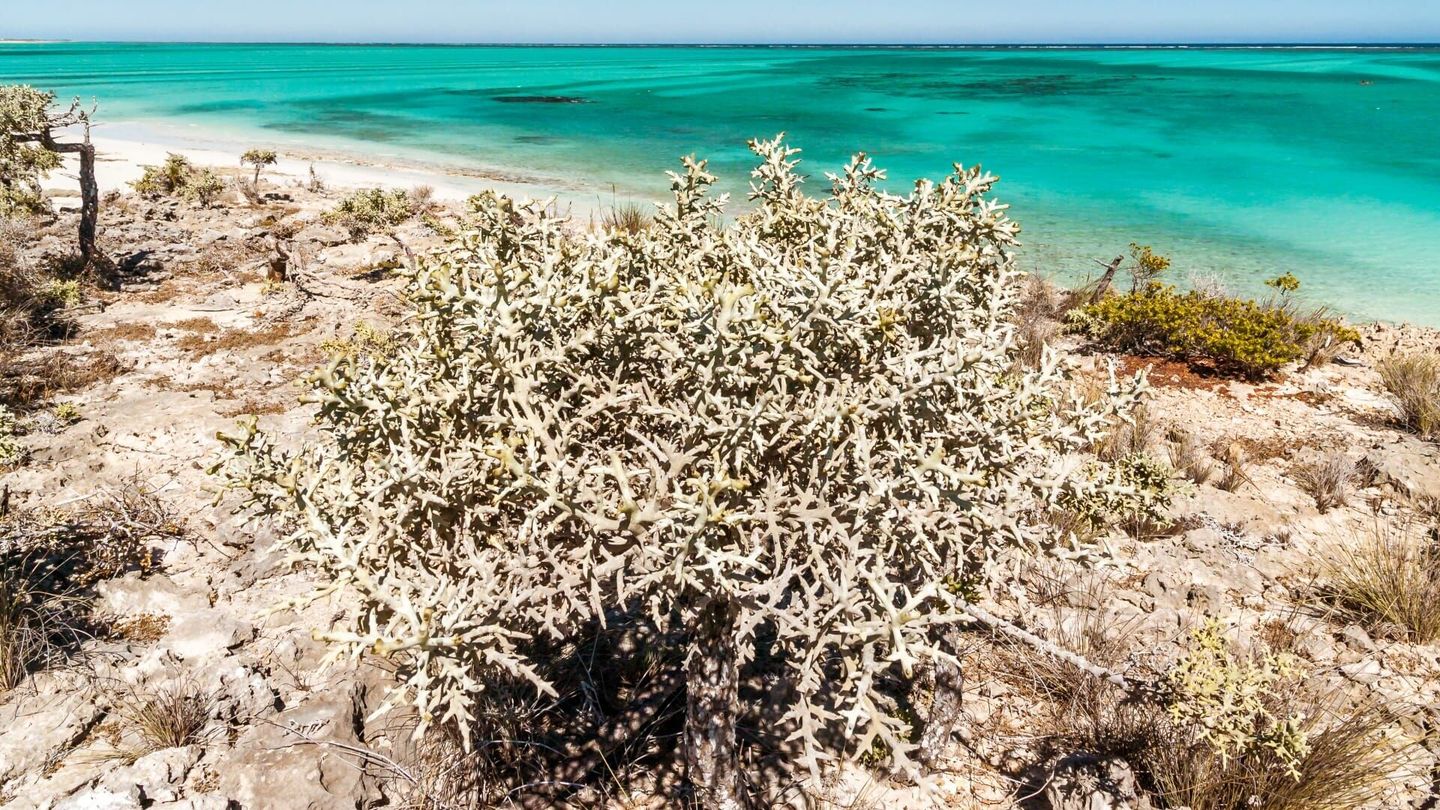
pixel 100 799
pixel 1411 467
pixel 33 733
pixel 155 777
pixel 203 634
pixel 273 766
pixel 1086 782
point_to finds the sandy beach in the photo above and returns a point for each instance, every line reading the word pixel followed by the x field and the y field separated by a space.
pixel 121 160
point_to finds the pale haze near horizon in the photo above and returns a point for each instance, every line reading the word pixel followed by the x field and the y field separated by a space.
pixel 735 21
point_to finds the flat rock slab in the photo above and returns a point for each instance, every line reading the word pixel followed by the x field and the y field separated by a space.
pixel 1410 466
pixel 204 634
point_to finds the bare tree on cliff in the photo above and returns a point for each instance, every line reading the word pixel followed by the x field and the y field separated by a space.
pixel 30 149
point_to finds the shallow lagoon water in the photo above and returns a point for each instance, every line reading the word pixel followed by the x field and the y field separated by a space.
pixel 1240 163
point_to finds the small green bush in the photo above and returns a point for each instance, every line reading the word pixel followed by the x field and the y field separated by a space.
pixel 178 177
pixel 204 187
pixel 259 158
pixel 1248 338
pixel 373 209
pixel 166 179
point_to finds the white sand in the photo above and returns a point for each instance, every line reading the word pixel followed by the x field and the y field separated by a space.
pixel 121 160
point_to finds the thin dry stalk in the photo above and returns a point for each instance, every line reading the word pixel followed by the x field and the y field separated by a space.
pixel 1190 457
pixel 627 217
pixel 26 632
pixel 1234 467
pixel 1130 436
pixel 1038 314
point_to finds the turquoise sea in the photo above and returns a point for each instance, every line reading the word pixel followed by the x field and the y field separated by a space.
pixel 1239 163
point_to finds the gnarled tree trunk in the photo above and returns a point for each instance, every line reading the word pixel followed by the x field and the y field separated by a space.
pixel 89 202
pixel 713 687
pixel 947 682
pixel 89 192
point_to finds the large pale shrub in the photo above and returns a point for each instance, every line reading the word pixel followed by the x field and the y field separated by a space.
pixel 809 425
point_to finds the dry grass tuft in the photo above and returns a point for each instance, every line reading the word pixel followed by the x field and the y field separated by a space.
pixel 1081 712
pixel 1413 381
pixel 1327 480
pixel 1129 437
pixel 1355 755
pixel 35 377
pixel 1234 466
pixel 627 217
pixel 128 331
pixel 1389 581
pixel 32 630
pixel 169 717
pixel 146 628
pixel 50 563
pixel 1190 457
pixel 1038 318
pixel 199 344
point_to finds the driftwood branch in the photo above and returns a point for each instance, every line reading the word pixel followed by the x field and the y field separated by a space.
pixel 1103 286
pixel 1085 665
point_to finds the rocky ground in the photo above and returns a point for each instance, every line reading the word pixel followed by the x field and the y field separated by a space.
pixel 197 336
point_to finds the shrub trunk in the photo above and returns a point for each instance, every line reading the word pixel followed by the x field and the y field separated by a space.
pixel 946 709
pixel 712 685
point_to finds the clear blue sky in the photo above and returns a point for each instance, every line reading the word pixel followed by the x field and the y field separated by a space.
pixel 957 21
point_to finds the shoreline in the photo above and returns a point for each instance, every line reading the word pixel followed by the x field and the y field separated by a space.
pixel 120 160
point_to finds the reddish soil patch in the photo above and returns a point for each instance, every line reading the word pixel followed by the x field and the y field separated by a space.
pixel 1165 373
pixel 1312 398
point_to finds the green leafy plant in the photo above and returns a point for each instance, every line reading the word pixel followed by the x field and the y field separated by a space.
pixel 32 141
pixel 66 413
pixel 1233 335
pixel 167 179
pixel 1146 266
pixel 1223 697
pixel 12 451
pixel 370 210
pixel 23 162
pixel 259 158
pixel 1357 756
pixel 204 187
pixel 178 177
pixel 809 421
pixel 1284 284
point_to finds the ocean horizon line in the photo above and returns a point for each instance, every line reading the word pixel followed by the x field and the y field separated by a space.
pixel 1119 45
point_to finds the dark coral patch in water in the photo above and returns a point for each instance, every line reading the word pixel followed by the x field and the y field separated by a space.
pixel 540 99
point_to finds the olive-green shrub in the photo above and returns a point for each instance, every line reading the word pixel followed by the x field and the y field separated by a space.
pixel 178 177
pixel 24 162
pixel 808 426
pixel 370 210
pixel 1236 336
